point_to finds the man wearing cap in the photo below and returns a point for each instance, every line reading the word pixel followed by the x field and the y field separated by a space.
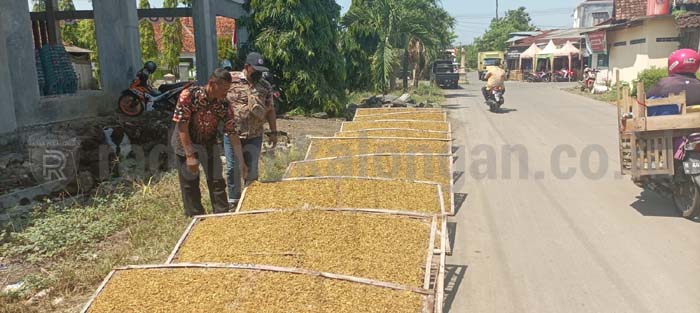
pixel 250 97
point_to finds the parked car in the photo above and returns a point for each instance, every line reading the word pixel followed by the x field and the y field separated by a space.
pixel 444 74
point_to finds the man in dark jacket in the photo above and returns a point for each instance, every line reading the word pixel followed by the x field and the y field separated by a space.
pixel 682 67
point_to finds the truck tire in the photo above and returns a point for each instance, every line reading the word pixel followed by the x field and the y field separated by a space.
pixel 687 199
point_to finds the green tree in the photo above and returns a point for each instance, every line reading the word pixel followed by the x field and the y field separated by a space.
pixel 358 44
pixel 494 39
pixel 69 32
pixel 226 51
pixel 400 25
pixel 300 41
pixel 172 41
pixel 149 48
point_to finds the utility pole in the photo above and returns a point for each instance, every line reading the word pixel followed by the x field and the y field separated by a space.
pixel 496 9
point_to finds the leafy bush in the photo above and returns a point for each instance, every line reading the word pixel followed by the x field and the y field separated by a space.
pixel 650 77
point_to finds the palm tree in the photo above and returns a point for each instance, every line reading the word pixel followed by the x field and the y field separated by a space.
pixel 398 24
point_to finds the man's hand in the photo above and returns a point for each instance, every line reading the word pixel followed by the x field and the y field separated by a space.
pixel 272 139
pixel 193 165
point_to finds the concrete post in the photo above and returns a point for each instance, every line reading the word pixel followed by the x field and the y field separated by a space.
pixel 204 20
pixel 20 75
pixel 8 119
pixel 117 32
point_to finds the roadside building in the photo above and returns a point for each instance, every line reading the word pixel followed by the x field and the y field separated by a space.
pixel 592 12
pixel 641 35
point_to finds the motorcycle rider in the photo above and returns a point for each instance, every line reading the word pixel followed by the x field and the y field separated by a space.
pixel 143 74
pixel 682 66
pixel 495 77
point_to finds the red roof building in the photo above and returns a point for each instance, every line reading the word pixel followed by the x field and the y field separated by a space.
pixel 225 27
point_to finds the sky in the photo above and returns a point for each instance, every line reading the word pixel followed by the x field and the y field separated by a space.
pixel 473 16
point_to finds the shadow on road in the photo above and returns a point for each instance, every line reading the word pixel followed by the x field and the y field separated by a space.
pixel 456 176
pixel 459 95
pixel 651 204
pixel 451 235
pixel 505 111
pixel 460 199
pixel 454 107
pixel 454 275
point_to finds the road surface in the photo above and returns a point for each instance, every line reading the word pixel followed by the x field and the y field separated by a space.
pixel 542 240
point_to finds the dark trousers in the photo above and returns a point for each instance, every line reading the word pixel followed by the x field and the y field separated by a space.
pixel 209 158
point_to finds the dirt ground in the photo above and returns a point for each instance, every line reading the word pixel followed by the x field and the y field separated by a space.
pixel 300 126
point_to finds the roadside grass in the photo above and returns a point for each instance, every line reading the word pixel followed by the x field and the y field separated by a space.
pixel 66 249
pixel 425 92
pixel 274 163
pixel 610 96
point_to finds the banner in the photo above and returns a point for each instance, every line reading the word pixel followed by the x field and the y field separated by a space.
pixel 597 42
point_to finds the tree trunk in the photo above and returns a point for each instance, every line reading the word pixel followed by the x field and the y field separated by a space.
pixel 404 71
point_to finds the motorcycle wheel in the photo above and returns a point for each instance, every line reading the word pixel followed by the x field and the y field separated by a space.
pixel 545 79
pixel 130 105
pixel 686 197
pixel 492 105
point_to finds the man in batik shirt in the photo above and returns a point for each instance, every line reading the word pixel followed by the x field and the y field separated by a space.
pixel 199 112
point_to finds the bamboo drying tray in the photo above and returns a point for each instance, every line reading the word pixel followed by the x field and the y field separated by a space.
pixel 327 147
pixel 337 192
pixel 420 125
pixel 389 246
pixel 373 111
pixel 419 116
pixel 194 288
pixel 409 166
pixel 344 192
pixel 395 133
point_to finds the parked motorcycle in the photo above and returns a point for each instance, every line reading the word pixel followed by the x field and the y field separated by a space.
pixel 564 75
pixel 138 98
pixel 495 98
pixel 589 77
pixel 686 195
pixel 538 77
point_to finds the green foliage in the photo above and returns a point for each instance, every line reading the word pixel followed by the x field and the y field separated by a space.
pixel 172 39
pixel 472 53
pixel 494 39
pixel 273 165
pixel 70 247
pixel 38 5
pixel 650 77
pixel 392 34
pixel 149 47
pixel 299 39
pixel 56 231
pixel 226 51
pixel 69 32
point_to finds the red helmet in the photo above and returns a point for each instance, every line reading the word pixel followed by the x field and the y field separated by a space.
pixel 684 61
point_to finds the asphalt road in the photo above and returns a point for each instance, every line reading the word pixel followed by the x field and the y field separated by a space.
pixel 535 238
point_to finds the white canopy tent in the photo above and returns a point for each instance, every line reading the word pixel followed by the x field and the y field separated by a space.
pixel 530 53
pixel 547 53
pixel 568 50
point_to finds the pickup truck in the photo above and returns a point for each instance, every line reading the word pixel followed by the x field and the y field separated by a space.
pixel 444 74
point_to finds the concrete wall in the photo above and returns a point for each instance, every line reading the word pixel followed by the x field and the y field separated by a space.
pixel 15 26
pixel 117 32
pixel 631 59
pixel 8 120
pixel 84 104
